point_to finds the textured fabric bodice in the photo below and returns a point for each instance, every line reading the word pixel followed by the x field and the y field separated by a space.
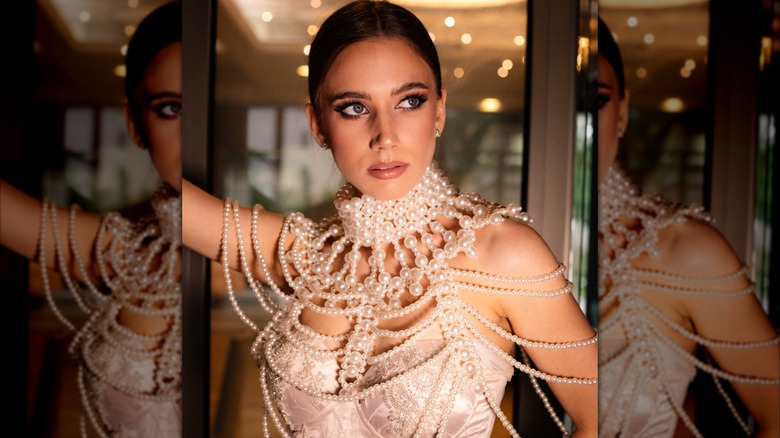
pixel 393 411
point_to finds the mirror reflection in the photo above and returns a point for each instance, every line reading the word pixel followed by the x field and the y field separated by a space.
pixel 686 345
pixel 103 233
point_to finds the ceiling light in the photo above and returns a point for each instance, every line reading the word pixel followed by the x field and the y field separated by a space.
pixel 490 105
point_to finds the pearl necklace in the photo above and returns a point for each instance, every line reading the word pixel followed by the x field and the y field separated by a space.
pixel 138 267
pixel 377 260
pixel 621 202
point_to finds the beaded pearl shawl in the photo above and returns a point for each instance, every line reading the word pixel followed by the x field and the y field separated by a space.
pixel 128 388
pixel 438 363
pixel 645 374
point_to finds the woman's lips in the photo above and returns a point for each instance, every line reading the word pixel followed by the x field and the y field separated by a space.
pixel 387 170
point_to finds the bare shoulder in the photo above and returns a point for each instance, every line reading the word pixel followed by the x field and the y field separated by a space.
pixel 513 249
pixel 696 248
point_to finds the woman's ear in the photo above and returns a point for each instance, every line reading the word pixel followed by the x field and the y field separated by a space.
pixel 441 111
pixel 135 135
pixel 315 125
pixel 623 114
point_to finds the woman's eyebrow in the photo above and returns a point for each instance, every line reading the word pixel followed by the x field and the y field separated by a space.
pixel 408 86
pixel 161 95
pixel 348 95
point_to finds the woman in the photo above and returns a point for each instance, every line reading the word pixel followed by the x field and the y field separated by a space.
pixel 128 350
pixel 400 315
pixel 669 283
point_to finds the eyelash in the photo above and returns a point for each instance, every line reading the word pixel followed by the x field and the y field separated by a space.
pixel 602 100
pixel 343 107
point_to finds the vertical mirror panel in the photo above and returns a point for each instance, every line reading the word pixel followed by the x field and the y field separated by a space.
pixel 80 143
pixel 264 152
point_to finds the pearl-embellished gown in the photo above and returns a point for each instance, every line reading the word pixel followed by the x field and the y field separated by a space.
pixel 376 262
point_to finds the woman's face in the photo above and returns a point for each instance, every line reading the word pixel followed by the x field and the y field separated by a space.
pixel 160 114
pixel 613 115
pixel 379 115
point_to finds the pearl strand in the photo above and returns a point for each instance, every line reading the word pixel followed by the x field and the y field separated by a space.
pixel 256 245
pixel 44 271
pixel 708 342
pixel 226 269
pixel 543 396
pixel 265 301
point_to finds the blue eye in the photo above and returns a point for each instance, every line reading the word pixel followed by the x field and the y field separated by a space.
pixel 352 109
pixel 412 102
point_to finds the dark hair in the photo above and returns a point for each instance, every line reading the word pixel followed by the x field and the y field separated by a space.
pixel 361 20
pixel 608 48
pixel 158 30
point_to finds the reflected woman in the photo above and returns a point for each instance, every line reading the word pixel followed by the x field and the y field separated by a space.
pixel 400 315
pixel 669 284
pixel 123 273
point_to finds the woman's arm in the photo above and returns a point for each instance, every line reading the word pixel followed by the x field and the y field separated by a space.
pixel 202 229
pixel 516 250
pixel 703 252
pixel 20 226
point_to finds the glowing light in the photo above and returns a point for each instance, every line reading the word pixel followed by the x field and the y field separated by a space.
pixel 312 30
pixel 120 70
pixel 432 35
pixel 507 64
pixel 458 72
pixel 449 21
pixel 132 4
pixel 672 105
pixel 519 40
pixel 302 71
pixel 123 50
pixel 465 38
pixel 306 49
pixel 632 21
pixel 490 105
pixel 502 72
pixel 701 40
pixel 84 16
pixel 649 38
pixel 129 30
pixel 641 72
pixel 267 16
pixel 685 72
pixel 316 3
pixel 690 64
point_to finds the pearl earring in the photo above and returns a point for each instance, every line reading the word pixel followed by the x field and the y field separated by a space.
pixel 324 145
pixel 438 133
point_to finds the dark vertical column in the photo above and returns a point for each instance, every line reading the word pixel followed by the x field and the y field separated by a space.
pixel 549 138
pixel 16 98
pixel 197 89
pixel 732 85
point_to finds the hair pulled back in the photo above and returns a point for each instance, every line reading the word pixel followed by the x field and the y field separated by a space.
pixel 608 48
pixel 359 21
pixel 161 28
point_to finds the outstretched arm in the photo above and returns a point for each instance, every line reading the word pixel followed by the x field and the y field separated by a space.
pixel 516 250
pixel 202 231
pixel 20 226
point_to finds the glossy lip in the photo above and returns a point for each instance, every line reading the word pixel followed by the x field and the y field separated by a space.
pixel 389 170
